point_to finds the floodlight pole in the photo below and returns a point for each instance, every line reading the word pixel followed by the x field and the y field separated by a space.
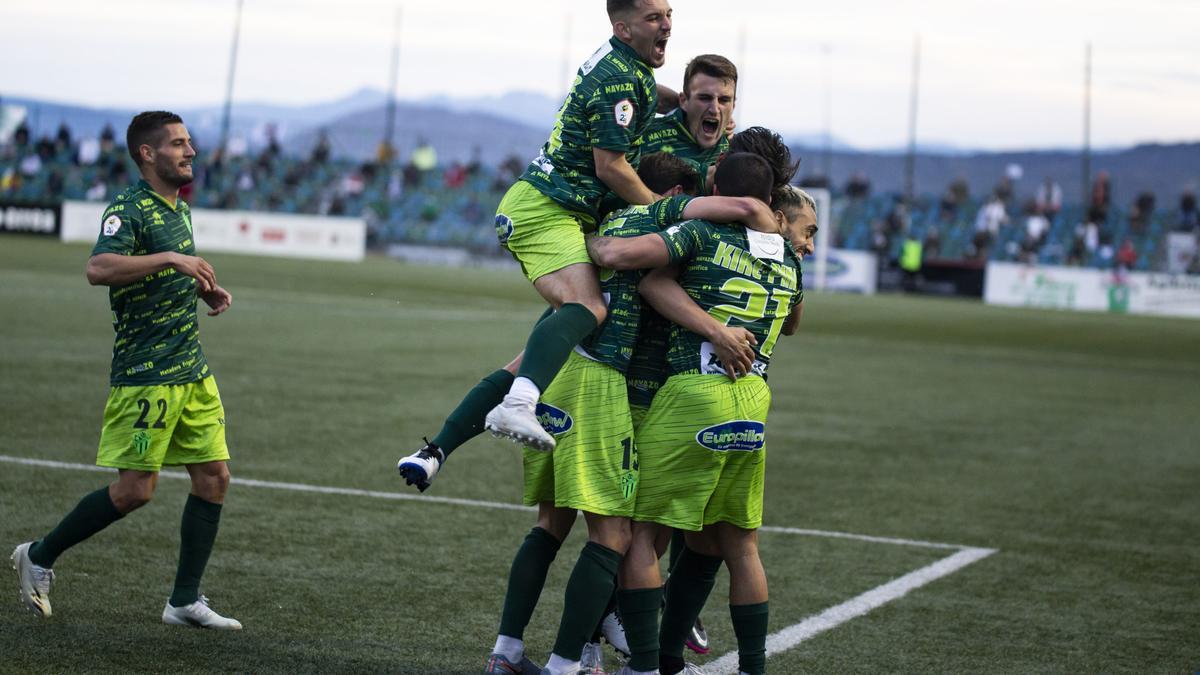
pixel 565 78
pixel 911 160
pixel 225 116
pixel 826 50
pixel 1087 125
pixel 389 126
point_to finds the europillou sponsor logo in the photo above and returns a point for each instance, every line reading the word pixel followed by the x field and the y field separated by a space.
pixel 734 436
pixel 504 227
pixel 554 420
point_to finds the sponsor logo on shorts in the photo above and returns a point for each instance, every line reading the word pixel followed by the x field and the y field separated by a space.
pixel 504 227
pixel 141 442
pixel 734 436
pixel 554 420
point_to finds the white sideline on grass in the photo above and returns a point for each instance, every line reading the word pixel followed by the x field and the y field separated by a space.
pixel 725 665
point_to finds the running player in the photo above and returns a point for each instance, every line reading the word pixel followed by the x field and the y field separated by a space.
pixel 163 407
pixel 702 445
pixel 590 152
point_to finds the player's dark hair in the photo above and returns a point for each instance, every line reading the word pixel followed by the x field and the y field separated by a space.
pixel 711 65
pixel 662 171
pixel 616 7
pixel 770 146
pixel 146 128
pixel 744 174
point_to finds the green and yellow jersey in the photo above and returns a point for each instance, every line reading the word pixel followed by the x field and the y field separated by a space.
pixel 669 133
pixel 158 339
pixel 742 278
pixel 610 107
pixel 612 343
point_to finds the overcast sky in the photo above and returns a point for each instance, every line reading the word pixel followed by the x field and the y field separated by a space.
pixel 994 74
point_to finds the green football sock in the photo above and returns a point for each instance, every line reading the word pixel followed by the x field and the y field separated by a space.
pixel 688 588
pixel 588 590
pixel 552 340
pixel 639 613
pixel 750 627
pixel 466 422
pixel 93 513
pixel 525 581
pixel 608 609
pixel 678 541
pixel 197 532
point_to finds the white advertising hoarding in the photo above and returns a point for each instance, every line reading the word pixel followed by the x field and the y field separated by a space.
pixel 1018 285
pixel 270 234
pixel 850 271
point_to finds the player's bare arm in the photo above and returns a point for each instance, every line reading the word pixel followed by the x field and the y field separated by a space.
pixel 662 290
pixel 628 253
pixel 751 212
pixel 615 171
pixel 668 98
pixel 113 269
pixel 792 323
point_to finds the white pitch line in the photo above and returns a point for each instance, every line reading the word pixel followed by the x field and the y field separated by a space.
pixel 855 607
pixel 727 664
pixel 404 496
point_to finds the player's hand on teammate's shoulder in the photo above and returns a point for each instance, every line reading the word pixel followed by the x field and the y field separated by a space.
pixel 218 299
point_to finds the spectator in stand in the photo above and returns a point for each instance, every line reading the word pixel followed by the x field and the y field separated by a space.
pixel 1036 225
pixel 991 217
pixel 455 176
pixel 1189 218
pixel 1126 256
pixel 62 140
pixel 1141 212
pixel 858 186
pixel 98 190
pixel 320 151
pixel 1077 253
pixel 933 243
pixel 1101 194
pixel 1089 232
pixel 424 157
pixel 948 206
pixel 1049 198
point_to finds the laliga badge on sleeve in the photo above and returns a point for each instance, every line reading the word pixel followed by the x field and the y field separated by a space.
pixel 111 225
pixel 623 113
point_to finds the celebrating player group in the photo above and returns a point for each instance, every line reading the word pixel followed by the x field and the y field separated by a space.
pixel 668 251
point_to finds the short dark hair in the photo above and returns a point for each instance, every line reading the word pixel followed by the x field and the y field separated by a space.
pixel 744 174
pixel 662 171
pixel 770 146
pixel 616 7
pixel 146 128
pixel 712 65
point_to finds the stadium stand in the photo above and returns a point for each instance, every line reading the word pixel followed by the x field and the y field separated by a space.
pixel 453 205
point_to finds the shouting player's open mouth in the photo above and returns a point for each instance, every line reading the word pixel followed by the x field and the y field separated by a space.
pixel 710 126
pixel 660 47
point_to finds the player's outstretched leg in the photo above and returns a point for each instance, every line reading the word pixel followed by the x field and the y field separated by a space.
pixel 420 467
pixel 576 291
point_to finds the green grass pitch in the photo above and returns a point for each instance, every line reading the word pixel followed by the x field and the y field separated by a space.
pixel 1067 442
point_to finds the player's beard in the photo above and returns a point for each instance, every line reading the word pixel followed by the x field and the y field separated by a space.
pixel 172 175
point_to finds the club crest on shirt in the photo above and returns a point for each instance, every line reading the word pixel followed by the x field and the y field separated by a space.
pixel 554 420
pixel 623 113
pixel 111 225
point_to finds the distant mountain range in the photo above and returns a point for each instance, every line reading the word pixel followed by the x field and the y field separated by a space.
pixel 492 128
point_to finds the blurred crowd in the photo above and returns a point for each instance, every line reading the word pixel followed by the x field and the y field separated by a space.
pixel 422 200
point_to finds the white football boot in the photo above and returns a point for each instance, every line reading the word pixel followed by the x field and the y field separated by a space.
pixel 517 421
pixel 198 615
pixel 34 580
